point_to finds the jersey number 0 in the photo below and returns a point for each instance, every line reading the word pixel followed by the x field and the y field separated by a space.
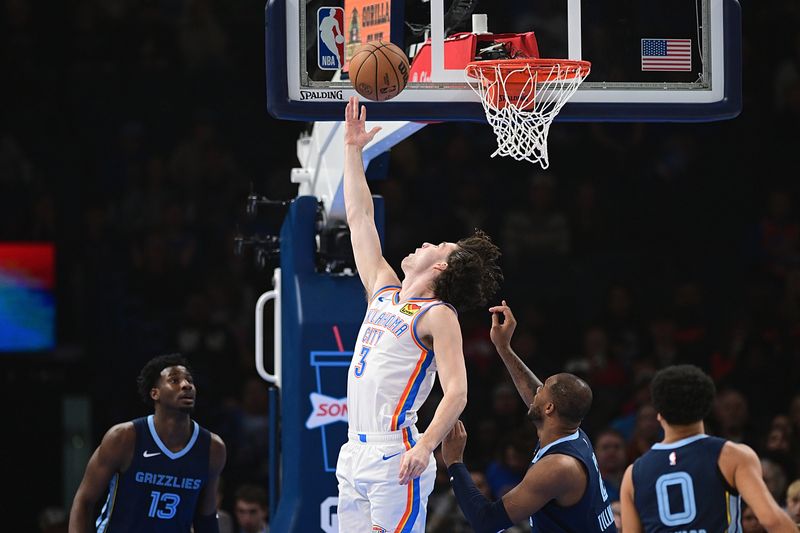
pixel 676 515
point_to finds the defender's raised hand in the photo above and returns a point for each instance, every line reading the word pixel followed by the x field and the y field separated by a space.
pixel 355 118
pixel 454 443
pixel 501 332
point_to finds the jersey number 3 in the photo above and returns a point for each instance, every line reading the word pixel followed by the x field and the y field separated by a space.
pixel 362 364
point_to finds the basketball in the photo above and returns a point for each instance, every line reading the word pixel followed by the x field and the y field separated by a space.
pixel 379 70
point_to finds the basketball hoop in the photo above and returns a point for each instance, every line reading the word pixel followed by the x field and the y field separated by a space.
pixel 521 97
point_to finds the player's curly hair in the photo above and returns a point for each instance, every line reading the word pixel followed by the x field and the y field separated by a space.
pixel 682 394
pixel 472 275
pixel 148 377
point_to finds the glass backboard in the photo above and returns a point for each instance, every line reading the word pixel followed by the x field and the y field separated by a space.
pixel 652 60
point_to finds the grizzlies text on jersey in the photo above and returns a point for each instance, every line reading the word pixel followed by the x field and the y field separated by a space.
pixel 159 491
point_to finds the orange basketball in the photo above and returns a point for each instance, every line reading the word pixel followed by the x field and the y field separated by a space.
pixel 379 70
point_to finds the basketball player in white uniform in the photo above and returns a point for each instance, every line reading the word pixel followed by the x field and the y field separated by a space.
pixel 411 330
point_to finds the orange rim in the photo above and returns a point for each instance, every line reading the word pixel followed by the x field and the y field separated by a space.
pixel 517 70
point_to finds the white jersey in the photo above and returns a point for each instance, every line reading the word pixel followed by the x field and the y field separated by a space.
pixel 392 370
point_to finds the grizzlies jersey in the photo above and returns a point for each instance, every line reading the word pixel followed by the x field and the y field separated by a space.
pixel 158 493
pixel 392 370
pixel 678 488
pixel 593 511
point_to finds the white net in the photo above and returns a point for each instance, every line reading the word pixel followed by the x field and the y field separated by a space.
pixel 521 99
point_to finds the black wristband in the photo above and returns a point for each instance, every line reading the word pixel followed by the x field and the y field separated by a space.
pixel 484 516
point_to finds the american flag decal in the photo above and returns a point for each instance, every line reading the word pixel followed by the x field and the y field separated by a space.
pixel 666 54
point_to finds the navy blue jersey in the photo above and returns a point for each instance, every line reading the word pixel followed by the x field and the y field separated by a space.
pixel 158 492
pixel 593 511
pixel 678 487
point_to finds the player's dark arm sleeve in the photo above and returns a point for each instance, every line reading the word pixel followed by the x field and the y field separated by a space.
pixel 484 516
pixel 206 523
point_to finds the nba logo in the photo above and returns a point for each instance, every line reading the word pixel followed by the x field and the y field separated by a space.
pixel 330 38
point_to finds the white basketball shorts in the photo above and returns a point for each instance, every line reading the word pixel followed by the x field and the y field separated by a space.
pixel 371 499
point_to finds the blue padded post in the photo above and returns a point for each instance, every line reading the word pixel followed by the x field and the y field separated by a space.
pixel 314 374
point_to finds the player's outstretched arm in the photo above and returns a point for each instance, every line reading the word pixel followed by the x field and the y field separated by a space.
pixel 740 464
pixel 482 514
pixel 630 516
pixel 524 379
pixel 373 269
pixel 205 520
pixel 554 477
pixel 113 455
pixel 441 324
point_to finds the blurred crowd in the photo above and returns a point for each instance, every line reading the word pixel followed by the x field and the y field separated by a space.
pixel 133 130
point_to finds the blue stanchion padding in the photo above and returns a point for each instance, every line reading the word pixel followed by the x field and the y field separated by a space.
pixel 314 381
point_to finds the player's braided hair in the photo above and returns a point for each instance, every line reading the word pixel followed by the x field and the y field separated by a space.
pixel 148 377
pixel 682 394
pixel 472 275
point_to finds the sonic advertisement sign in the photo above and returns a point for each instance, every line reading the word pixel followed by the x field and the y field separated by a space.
pixel 328 418
pixel 326 410
pixel 329 403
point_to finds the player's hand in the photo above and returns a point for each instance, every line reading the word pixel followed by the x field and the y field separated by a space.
pixel 501 332
pixel 454 443
pixel 413 463
pixel 355 131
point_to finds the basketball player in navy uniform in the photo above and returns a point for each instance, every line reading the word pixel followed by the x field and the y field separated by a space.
pixel 690 481
pixel 159 473
pixel 562 491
